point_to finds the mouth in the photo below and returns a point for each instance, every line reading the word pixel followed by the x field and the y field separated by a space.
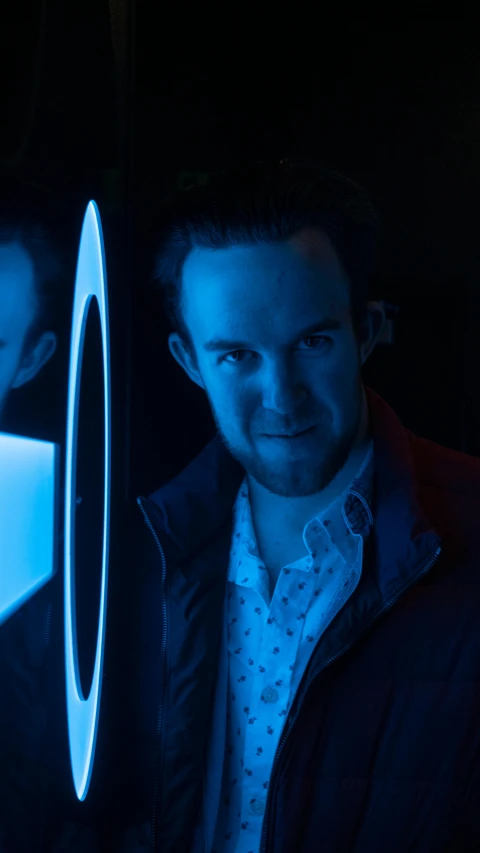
pixel 292 436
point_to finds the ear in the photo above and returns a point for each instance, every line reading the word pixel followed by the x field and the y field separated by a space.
pixel 374 323
pixel 36 357
pixel 184 358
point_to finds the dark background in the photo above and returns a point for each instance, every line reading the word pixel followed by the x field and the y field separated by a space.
pixel 108 101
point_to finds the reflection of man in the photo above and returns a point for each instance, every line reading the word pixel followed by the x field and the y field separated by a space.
pixel 29 267
pixel 34 772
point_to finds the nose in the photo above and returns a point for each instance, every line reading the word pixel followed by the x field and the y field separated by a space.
pixel 283 393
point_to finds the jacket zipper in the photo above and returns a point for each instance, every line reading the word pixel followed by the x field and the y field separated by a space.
pixel 156 769
pixel 264 835
pixel 41 818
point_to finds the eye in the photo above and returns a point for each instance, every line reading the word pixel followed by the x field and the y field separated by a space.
pixel 237 352
pixel 316 338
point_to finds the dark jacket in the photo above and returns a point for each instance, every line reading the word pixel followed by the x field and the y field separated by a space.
pixel 381 747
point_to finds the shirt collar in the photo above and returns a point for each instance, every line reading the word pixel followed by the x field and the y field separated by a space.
pixel 355 503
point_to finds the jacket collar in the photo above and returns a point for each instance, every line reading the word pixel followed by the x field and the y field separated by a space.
pixel 196 506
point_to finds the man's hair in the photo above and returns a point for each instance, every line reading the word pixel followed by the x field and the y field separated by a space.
pixel 269 202
pixel 25 220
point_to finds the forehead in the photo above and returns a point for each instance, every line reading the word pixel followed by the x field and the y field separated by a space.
pixel 303 270
pixel 16 270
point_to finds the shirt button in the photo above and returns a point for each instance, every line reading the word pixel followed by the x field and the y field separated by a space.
pixel 270 695
pixel 257 807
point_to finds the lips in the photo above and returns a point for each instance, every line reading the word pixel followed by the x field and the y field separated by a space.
pixel 290 434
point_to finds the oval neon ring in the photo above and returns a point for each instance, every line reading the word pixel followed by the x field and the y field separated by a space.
pixel 83 713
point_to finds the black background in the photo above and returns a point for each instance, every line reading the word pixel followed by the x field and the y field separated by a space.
pixel 114 101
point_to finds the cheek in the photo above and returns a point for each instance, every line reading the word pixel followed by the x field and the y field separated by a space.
pixel 225 397
pixel 234 403
pixel 343 370
pixel 334 380
pixel 339 389
pixel 9 364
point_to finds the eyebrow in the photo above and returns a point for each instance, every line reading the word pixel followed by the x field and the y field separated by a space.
pixel 329 324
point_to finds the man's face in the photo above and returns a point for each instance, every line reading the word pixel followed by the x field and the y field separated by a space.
pixel 271 376
pixel 17 311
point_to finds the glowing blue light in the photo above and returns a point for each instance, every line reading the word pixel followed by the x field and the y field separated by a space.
pixel 28 474
pixel 83 712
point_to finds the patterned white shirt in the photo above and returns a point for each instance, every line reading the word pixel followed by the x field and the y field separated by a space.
pixel 271 635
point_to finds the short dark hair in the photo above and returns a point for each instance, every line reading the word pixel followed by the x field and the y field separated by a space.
pixel 269 202
pixel 25 219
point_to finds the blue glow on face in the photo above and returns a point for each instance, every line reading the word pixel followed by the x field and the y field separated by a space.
pixel 83 712
pixel 28 475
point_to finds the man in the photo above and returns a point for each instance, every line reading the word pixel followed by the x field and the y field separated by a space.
pixel 305 674
pixel 30 271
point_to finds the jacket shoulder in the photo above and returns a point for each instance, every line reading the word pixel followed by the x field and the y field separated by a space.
pixel 441 467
